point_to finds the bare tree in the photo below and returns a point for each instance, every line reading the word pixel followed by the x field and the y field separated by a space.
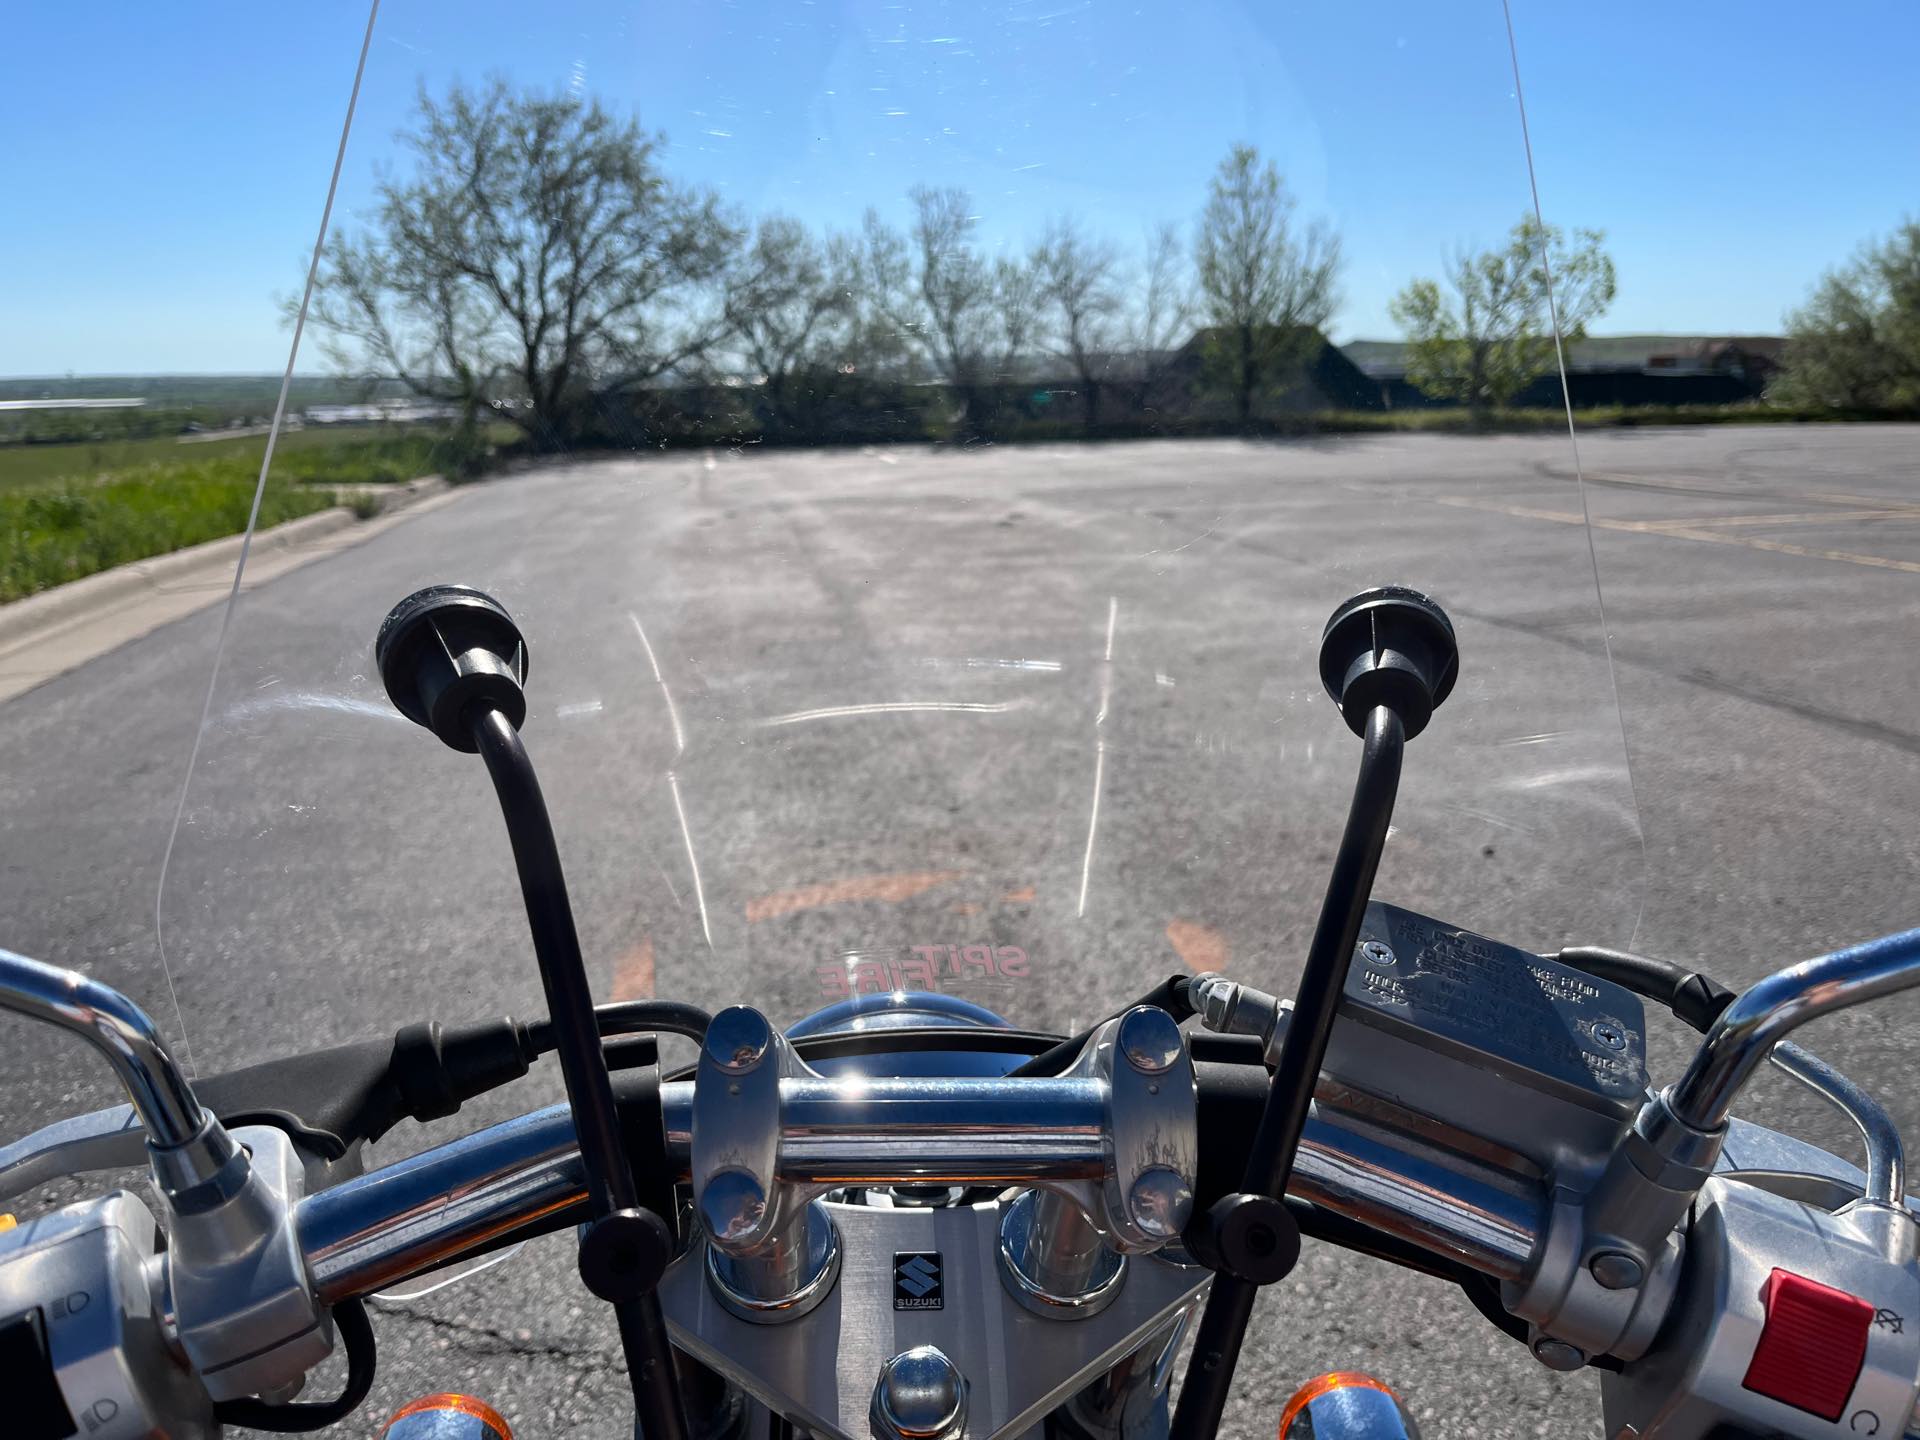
pixel 956 294
pixel 1161 323
pixel 886 321
pixel 1079 282
pixel 1265 284
pixel 788 303
pixel 1017 298
pixel 941 301
pixel 1493 333
pixel 535 248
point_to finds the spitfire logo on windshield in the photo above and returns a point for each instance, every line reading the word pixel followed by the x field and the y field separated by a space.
pixel 930 967
pixel 916 1280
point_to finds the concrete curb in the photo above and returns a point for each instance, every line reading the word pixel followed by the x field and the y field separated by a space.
pixel 25 620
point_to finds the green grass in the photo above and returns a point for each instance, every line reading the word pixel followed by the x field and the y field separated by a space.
pixel 343 455
pixel 51 535
pixel 70 510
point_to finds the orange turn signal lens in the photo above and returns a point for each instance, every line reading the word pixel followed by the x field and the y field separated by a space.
pixel 1346 1405
pixel 446 1417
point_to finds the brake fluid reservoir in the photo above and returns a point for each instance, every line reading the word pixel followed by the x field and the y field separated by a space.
pixel 446 1417
pixel 1473 1044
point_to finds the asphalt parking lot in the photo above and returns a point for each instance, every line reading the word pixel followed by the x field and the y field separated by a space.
pixel 1034 725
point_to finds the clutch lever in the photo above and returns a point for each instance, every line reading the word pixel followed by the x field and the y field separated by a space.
pixel 114 1139
pixel 109 1139
pixel 329 1102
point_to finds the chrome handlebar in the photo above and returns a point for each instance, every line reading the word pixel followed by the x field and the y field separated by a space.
pixel 434 1207
pixel 1485 1210
pixel 120 1030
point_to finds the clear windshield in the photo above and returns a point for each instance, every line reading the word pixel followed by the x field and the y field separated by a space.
pixel 855 666
pixel 921 446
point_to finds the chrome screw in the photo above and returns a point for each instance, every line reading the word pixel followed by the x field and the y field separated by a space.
pixel 1614 1271
pixel 1378 953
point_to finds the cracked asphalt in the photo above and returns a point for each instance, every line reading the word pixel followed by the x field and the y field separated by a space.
pixel 1037 726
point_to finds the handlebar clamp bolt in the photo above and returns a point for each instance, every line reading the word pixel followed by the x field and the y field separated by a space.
pixel 1150 1039
pixel 731 1205
pixel 1161 1203
pixel 1558 1354
pixel 1613 1270
pixel 738 1039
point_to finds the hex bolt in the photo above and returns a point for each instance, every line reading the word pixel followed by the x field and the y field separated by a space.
pixel 1558 1354
pixel 1615 1271
pixel 1377 952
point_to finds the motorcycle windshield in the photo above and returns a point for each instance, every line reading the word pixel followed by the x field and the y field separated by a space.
pixel 921 505
pixel 920 447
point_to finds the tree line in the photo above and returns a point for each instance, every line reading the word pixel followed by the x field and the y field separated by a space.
pixel 537 262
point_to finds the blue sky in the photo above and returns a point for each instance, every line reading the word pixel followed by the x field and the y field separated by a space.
pixel 165 165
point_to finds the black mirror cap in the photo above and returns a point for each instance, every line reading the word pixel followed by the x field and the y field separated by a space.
pixel 1393 646
pixel 445 649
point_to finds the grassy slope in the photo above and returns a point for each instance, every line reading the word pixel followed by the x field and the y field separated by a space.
pixel 38 465
pixel 70 510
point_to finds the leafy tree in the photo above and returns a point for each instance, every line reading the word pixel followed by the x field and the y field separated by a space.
pixel 535 251
pixel 1078 276
pixel 1264 282
pixel 1490 332
pixel 788 303
pixel 1855 344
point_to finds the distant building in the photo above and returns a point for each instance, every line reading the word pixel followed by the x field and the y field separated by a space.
pixel 1141 384
pixel 380 412
pixel 1755 357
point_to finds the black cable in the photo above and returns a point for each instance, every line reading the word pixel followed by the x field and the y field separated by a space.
pixel 632 1017
pixel 356 1337
pixel 1171 995
pixel 1223 1324
pixel 1694 998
